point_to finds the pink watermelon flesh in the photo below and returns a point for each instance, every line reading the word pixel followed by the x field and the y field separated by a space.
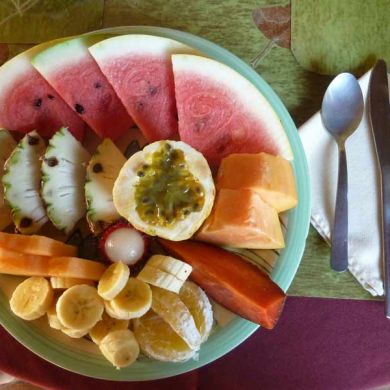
pixel 146 88
pixel 213 122
pixel 83 86
pixel 32 104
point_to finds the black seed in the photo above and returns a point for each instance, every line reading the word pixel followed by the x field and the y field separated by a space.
pixel 140 173
pixel 196 207
pixel 152 90
pixel 97 168
pixel 145 200
pixel 51 97
pixel 32 140
pixel 168 146
pixel 186 212
pixel 52 161
pixel 79 108
pixel 149 212
pixel 25 222
pixel 145 166
pixel 139 106
pixel 132 148
pixel 37 102
pixel 198 190
pixel 97 85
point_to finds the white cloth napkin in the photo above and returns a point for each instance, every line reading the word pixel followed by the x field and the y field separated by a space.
pixel 365 261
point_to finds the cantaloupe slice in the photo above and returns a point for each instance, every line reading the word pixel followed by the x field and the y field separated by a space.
pixel 241 219
pixel 271 176
pixel 17 263
pixel 36 245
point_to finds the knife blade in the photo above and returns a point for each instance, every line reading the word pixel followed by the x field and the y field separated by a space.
pixel 379 115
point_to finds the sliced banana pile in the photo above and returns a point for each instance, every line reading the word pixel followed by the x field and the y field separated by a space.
pixel 171 316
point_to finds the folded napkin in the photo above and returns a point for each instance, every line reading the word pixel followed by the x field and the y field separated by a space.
pixel 364 260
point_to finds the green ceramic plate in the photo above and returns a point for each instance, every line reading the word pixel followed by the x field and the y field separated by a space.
pixel 81 356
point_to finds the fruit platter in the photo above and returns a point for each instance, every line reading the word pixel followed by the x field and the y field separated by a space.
pixel 148 176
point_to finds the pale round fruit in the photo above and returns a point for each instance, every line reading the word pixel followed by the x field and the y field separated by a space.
pixel 75 334
pixel 196 170
pixel 32 298
pixel 159 341
pixel 113 280
pixel 120 347
pixel 199 306
pixel 80 307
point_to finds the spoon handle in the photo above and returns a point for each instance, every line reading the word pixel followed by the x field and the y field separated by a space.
pixel 339 254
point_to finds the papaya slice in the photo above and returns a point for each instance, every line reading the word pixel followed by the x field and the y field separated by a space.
pixel 241 219
pixel 270 176
pixel 36 245
pixel 231 281
pixel 17 263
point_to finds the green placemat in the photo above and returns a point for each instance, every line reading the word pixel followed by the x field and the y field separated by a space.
pixel 32 21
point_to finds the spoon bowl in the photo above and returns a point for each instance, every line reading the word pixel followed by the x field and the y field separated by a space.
pixel 341 112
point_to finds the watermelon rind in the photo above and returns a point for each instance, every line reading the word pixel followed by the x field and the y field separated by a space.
pixel 244 96
pixel 63 179
pixel 7 145
pixel 102 171
pixel 21 183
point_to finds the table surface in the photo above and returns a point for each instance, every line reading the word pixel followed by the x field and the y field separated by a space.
pixel 229 24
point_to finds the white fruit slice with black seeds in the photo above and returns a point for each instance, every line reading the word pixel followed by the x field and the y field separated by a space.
pixel 102 171
pixel 7 145
pixel 63 179
pixel 21 180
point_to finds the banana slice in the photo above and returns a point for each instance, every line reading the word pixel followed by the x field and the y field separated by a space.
pixel 171 309
pixel 105 326
pixel 58 282
pixel 52 317
pixel 75 334
pixel 120 347
pixel 113 280
pixel 80 307
pixel 32 298
pixel 133 301
pixel 160 279
pixel 199 306
pixel 172 266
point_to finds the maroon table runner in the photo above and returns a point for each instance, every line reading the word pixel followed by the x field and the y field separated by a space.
pixel 318 344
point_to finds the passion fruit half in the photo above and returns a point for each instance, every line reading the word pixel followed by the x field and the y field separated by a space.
pixel 165 190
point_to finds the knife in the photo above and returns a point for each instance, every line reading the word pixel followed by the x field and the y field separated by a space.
pixel 379 114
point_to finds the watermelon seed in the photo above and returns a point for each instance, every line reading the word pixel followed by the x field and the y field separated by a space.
pixel 79 108
pixel 139 106
pixel 25 222
pixel 152 90
pixel 51 97
pixel 37 102
pixel 32 140
pixel 52 161
pixel 97 85
pixel 97 168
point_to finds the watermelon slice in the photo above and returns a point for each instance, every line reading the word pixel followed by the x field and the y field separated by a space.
pixel 28 102
pixel 221 112
pixel 140 70
pixel 73 73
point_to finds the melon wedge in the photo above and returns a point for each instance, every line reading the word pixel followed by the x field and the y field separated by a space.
pixel 140 70
pixel 271 176
pixel 231 281
pixel 28 102
pixel 241 219
pixel 71 70
pixel 220 112
pixel 17 263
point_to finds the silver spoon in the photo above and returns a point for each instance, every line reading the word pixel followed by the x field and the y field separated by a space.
pixel 341 112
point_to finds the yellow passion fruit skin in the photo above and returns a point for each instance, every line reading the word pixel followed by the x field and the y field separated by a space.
pixel 165 190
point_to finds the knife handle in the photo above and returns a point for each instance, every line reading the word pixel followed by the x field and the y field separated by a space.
pixel 339 249
pixel 385 173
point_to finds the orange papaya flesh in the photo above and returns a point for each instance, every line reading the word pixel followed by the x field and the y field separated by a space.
pixel 231 281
